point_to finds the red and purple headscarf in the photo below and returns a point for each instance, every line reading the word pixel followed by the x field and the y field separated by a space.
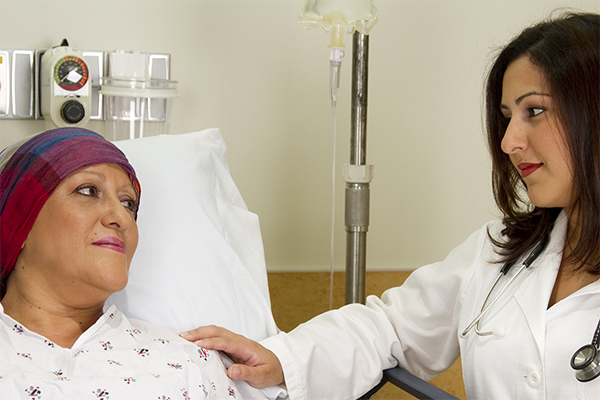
pixel 31 169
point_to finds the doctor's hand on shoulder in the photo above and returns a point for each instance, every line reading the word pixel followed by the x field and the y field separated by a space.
pixel 253 363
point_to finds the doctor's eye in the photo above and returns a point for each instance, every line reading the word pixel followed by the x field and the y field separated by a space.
pixel 504 122
pixel 535 111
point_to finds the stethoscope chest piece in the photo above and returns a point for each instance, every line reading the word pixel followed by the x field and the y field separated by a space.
pixel 586 363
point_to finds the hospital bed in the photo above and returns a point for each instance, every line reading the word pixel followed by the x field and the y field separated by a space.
pixel 200 256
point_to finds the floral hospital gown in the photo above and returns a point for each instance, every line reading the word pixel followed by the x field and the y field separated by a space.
pixel 116 358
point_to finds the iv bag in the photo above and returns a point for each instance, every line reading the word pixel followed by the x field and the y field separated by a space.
pixel 338 17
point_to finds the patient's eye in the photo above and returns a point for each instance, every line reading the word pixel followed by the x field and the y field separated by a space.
pixel 88 190
pixel 130 204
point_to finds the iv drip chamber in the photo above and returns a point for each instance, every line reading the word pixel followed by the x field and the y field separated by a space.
pixel 336 57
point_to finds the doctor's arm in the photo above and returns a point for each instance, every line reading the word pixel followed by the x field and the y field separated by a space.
pixel 342 353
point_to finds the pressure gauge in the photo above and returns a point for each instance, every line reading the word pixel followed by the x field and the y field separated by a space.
pixel 70 73
pixel 65 87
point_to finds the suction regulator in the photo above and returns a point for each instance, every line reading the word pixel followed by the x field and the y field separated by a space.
pixel 65 87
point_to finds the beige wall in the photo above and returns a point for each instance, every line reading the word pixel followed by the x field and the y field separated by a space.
pixel 248 68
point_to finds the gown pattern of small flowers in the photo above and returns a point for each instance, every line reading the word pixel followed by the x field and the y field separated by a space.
pixel 116 358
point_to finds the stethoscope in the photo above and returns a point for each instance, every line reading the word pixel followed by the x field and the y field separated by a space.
pixel 585 361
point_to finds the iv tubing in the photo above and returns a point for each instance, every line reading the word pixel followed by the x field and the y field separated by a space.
pixel 332 244
pixel 336 56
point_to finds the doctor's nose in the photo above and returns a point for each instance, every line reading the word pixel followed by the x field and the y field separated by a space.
pixel 515 139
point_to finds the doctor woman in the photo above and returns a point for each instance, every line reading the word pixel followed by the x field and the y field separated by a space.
pixel 517 332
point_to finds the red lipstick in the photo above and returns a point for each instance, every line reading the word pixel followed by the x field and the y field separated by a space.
pixel 528 169
pixel 111 243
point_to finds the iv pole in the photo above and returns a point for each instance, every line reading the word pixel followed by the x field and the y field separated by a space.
pixel 357 175
pixel 333 17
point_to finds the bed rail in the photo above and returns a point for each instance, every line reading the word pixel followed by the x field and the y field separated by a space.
pixel 411 384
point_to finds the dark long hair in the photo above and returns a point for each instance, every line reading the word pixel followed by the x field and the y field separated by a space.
pixel 566 49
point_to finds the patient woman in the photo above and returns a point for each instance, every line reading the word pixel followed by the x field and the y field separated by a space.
pixel 68 207
pixel 543 122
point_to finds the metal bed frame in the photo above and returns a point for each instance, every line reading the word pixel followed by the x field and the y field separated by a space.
pixel 411 384
pixel 357 216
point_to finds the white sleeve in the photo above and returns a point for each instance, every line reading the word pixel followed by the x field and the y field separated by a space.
pixel 341 354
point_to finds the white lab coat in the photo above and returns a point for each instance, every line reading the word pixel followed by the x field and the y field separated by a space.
pixel 340 354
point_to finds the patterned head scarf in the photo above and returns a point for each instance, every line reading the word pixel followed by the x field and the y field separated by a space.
pixel 32 168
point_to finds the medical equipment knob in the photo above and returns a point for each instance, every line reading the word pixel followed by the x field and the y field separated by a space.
pixel 72 111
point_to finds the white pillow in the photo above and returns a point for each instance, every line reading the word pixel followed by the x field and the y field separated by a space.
pixel 200 256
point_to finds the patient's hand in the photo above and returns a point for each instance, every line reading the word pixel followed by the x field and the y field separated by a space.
pixel 253 363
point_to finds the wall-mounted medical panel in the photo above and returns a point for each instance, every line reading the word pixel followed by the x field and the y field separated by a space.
pixel 17 85
pixel 4 83
pixel 20 81
pixel 22 84
pixel 96 61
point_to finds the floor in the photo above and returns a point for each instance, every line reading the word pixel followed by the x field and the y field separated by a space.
pixel 297 297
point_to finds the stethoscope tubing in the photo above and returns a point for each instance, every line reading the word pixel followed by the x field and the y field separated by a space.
pixel 483 311
pixel 535 253
pixel 585 361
